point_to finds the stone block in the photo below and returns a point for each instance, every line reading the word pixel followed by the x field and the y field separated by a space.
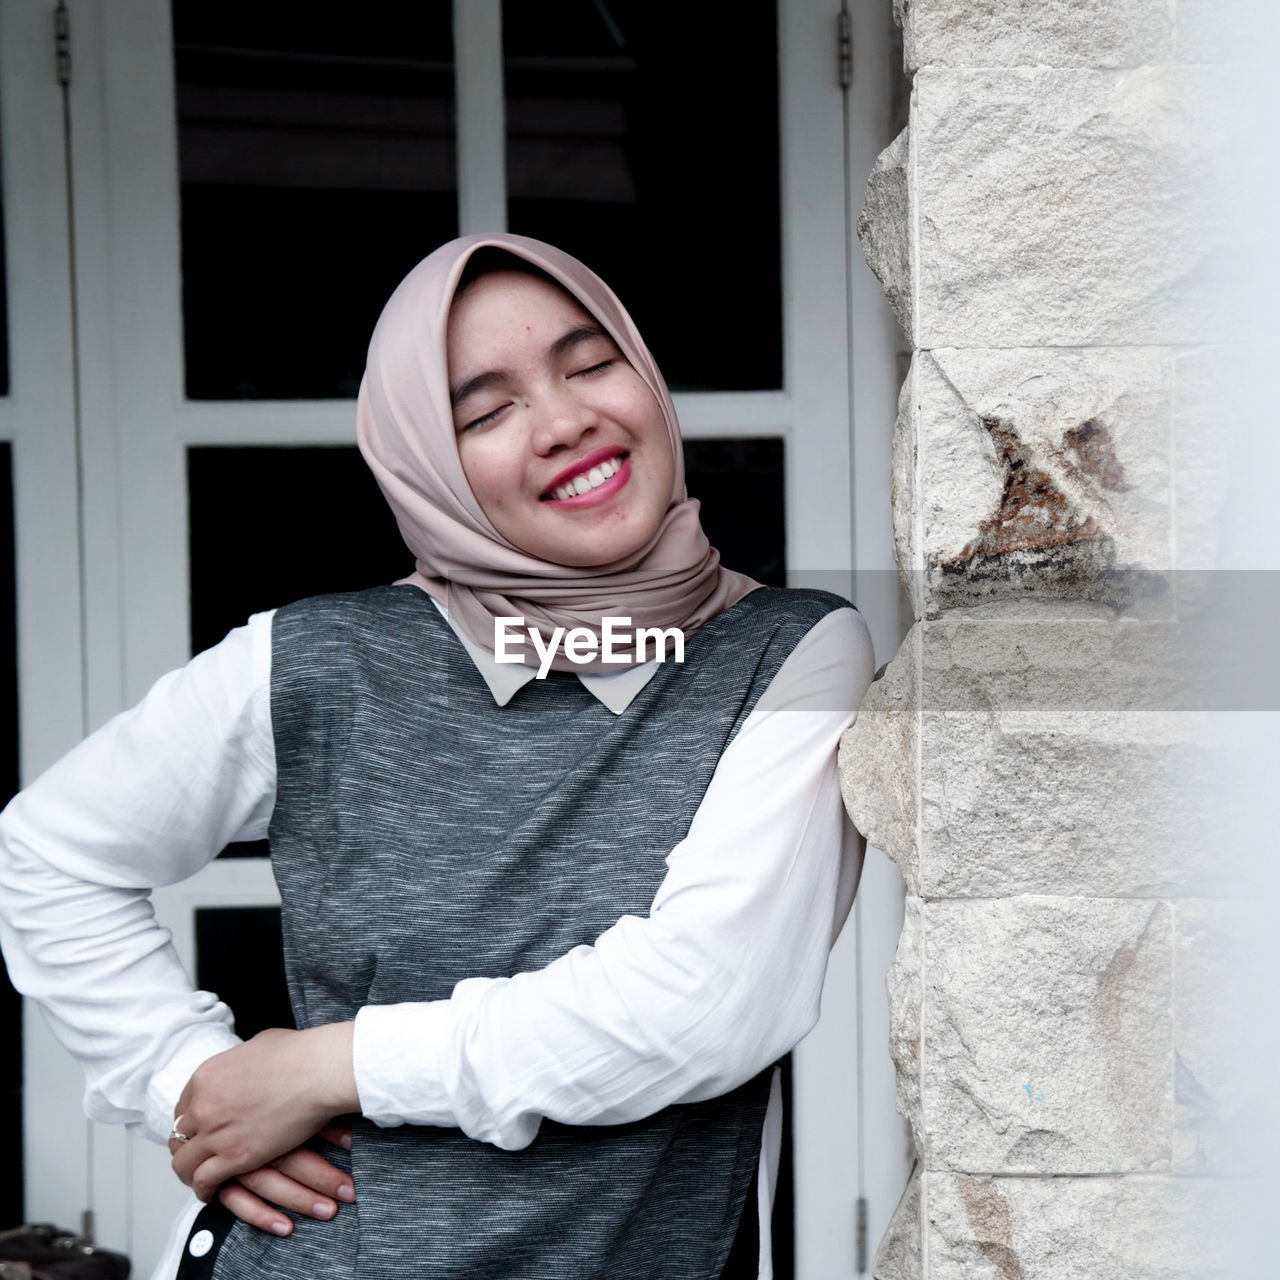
pixel 898 1253
pixel 1099 1228
pixel 1054 758
pixel 1059 757
pixel 1037 476
pixel 1047 1041
pixel 1214 1040
pixel 1210 449
pixel 878 762
pixel 1071 207
pixel 1027 33
pixel 904 985
pixel 884 227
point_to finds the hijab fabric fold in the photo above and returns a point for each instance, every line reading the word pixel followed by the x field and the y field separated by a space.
pixel 405 429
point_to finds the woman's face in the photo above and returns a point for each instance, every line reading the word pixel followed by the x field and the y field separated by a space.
pixel 561 440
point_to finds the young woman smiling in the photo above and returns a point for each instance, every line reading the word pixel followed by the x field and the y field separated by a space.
pixel 545 940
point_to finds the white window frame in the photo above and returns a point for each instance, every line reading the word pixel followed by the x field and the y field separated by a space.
pixel 37 418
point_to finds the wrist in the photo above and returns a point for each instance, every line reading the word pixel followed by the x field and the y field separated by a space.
pixel 331 1077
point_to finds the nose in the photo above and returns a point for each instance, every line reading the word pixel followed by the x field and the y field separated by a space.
pixel 562 420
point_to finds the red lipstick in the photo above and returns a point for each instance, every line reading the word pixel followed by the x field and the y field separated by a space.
pixel 585 463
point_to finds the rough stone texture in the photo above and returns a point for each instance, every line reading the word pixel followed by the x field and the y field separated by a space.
pixel 1047 1036
pixel 1216 1117
pixel 1036 475
pixel 1053 757
pixel 877 758
pixel 1069 207
pixel 1054 238
pixel 1093 1228
pixel 884 226
pixel 904 487
pixel 898 1255
pixel 1023 33
pixel 1053 760
pixel 905 991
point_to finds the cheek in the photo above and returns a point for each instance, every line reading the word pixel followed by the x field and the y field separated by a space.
pixel 643 414
pixel 493 476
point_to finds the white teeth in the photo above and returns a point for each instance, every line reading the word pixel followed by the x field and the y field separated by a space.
pixel 592 479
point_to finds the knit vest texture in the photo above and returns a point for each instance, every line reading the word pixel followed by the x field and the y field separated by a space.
pixel 422 835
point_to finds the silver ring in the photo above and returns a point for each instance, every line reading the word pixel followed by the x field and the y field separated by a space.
pixel 175 1134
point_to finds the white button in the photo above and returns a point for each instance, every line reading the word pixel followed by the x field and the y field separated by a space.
pixel 200 1244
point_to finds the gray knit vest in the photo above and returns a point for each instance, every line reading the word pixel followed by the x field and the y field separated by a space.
pixel 422 835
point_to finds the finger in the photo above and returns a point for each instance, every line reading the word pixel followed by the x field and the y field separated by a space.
pixel 297 1197
pixel 176 1145
pixel 210 1175
pixel 312 1170
pixel 253 1210
pixel 338 1134
pixel 187 1158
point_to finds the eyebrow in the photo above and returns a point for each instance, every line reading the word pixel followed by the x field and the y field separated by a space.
pixel 493 377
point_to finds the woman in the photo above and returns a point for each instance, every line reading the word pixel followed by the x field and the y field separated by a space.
pixel 545 936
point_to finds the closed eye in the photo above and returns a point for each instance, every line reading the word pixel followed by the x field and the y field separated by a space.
pixel 595 368
pixel 486 418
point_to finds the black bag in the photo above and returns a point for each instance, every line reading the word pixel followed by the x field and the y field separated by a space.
pixel 42 1252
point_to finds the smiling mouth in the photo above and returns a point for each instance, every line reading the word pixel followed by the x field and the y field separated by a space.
pixel 588 479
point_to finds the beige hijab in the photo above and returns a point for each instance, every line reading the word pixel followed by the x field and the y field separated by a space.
pixel 404 424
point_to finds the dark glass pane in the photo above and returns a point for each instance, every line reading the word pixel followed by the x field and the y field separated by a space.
pixel 305 521
pixel 741 485
pixel 645 142
pixel 240 956
pixel 11 1204
pixel 267 525
pixel 317 160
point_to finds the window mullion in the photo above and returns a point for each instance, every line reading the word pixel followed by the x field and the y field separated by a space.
pixel 481 117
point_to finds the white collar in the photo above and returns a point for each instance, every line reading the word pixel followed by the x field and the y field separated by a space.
pixel 615 689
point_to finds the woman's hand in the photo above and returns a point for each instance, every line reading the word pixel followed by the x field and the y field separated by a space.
pixel 248 1106
pixel 291 1182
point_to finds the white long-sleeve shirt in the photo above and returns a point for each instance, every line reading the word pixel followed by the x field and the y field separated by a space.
pixel 728 965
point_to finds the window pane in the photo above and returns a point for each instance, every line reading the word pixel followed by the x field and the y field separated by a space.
pixel 307 521
pixel 646 144
pixel 240 957
pixel 317 162
pixel 741 486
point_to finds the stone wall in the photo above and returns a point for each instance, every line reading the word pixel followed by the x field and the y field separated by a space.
pixel 1050 228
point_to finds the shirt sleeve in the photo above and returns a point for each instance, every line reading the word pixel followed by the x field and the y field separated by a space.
pixel 721 978
pixel 146 800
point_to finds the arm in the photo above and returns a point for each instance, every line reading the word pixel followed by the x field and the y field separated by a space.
pixel 721 978
pixel 148 799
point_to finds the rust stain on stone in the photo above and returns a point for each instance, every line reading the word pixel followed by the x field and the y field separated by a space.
pixel 1116 999
pixel 992 1225
pixel 1033 513
pixel 1049 533
pixel 1095 453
